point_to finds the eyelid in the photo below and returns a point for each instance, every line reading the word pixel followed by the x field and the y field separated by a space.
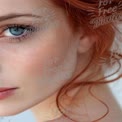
pixel 7 26
pixel 23 22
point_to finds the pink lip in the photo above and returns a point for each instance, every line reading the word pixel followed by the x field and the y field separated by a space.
pixel 6 92
pixel 5 89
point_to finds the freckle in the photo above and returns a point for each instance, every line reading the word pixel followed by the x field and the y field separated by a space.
pixel 53 61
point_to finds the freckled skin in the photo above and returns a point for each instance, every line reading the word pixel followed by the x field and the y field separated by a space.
pixel 42 63
pixel 39 66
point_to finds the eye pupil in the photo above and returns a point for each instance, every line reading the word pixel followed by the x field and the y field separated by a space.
pixel 17 30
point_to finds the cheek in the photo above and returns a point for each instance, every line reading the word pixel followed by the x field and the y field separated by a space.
pixel 47 68
pixel 37 63
pixel 44 61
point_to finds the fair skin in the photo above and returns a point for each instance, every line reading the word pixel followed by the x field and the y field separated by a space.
pixel 42 63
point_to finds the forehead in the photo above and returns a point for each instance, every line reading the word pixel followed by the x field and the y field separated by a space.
pixel 12 6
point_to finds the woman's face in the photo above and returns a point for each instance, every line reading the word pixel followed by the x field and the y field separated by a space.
pixel 41 62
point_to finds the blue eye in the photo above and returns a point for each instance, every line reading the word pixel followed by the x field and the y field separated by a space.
pixel 17 31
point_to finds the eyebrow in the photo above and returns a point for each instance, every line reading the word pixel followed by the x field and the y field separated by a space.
pixel 15 15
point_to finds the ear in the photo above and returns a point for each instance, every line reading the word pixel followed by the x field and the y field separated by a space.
pixel 85 42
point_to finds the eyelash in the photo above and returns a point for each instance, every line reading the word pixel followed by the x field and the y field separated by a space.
pixel 28 28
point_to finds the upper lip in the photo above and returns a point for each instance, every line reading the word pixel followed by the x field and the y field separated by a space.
pixel 5 89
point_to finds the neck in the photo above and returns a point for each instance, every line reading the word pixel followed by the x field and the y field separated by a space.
pixel 47 109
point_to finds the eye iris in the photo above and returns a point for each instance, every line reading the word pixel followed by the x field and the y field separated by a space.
pixel 17 30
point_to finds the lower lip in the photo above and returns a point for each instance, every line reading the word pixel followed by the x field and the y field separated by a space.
pixel 6 93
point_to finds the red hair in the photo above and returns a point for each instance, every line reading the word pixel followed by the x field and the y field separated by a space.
pixel 79 12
